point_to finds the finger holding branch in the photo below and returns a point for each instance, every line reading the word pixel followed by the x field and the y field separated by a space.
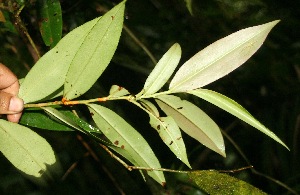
pixel 10 104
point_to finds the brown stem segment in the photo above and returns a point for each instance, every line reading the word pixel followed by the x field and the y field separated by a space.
pixel 66 102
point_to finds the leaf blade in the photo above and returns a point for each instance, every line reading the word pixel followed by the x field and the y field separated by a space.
pixel 39 119
pixel 117 91
pixel 100 42
pixel 48 75
pixel 213 182
pixel 51 21
pixel 62 117
pixel 170 133
pixel 119 132
pixel 150 107
pixel 18 145
pixel 235 109
pixel 163 70
pixel 220 58
pixel 193 121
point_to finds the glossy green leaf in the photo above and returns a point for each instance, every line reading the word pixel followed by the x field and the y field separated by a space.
pixel 213 182
pixel 47 76
pixel 81 123
pixel 220 58
pixel 117 91
pixel 28 152
pixel 235 109
pixel 170 133
pixel 50 21
pixel 61 117
pixel 163 70
pixel 95 53
pixel 193 121
pixel 39 119
pixel 119 132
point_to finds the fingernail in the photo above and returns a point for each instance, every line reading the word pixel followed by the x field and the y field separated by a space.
pixel 16 104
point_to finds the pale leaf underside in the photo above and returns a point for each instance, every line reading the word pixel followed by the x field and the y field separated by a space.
pixel 170 133
pixel 27 151
pixel 193 121
pixel 163 70
pixel 95 53
pixel 220 58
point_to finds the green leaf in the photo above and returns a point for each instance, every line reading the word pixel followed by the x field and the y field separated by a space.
pixel 213 182
pixel 28 152
pixel 170 133
pixel 150 107
pixel 50 21
pixel 95 53
pixel 38 119
pixel 189 5
pixel 119 132
pixel 48 75
pixel 162 71
pixel 235 109
pixel 81 123
pixel 117 91
pixel 220 58
pixel 168 130
pixel 193 121
pixel 62 118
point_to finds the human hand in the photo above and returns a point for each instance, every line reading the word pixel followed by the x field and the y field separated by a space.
pixel 10 104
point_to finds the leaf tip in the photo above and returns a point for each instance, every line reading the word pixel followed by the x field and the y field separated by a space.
pixel 273 23
pixel 222 150
pixel 285 146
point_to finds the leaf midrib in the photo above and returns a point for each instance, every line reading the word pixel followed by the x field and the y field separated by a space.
pixel 23 147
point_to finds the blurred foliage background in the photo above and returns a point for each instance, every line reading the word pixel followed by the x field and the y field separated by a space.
pixel 267 86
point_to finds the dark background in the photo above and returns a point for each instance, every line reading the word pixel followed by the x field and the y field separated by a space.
pixel 267 86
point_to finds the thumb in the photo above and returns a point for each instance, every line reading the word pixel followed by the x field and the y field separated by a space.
pixel 10 104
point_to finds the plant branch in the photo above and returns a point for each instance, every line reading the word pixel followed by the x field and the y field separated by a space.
pixel 77 102
pixel 23 29
pixel 130 168
pixel 147 51
pixel 253 170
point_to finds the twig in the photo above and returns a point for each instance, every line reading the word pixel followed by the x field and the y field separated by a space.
pixel 130 168
pixel 138 42
pixel 253 170
pixel 20 24
pixel 236 170
pixel 72 167
pixel 90 152
pixel 77 102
